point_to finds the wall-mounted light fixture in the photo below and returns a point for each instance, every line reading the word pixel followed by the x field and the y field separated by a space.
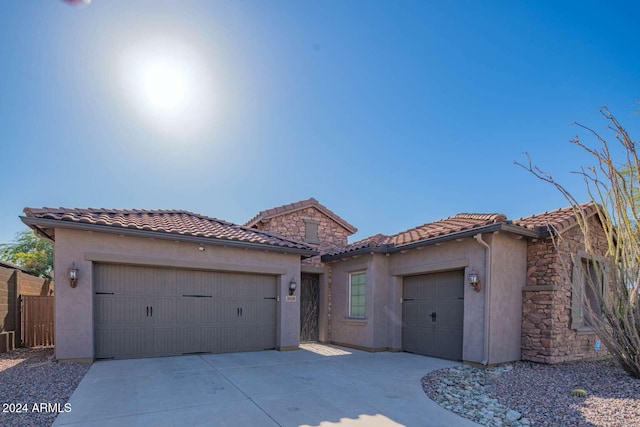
pixel 292 286
pixel 474 280
pixel 73 276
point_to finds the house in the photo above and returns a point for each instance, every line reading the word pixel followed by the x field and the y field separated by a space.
pixel 473 287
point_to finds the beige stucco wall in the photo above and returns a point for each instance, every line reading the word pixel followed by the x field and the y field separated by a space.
pixel 74 306
pixel 383 326
pixel 354 332
pixel 466 254
pixel 509 261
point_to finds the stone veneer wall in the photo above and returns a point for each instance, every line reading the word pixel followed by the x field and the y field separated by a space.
pixel 546 300
pixel 330 235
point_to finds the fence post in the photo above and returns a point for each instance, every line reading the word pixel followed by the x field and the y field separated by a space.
pixel 18 310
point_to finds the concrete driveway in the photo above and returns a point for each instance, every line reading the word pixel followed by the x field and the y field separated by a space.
pixel 315 386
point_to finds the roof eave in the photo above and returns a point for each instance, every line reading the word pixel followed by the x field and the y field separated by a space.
pixel 491 228
pixel 362 251
pixel 54 223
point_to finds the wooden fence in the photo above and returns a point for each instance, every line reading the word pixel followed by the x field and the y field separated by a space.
pixel 14 284
pixel 37 321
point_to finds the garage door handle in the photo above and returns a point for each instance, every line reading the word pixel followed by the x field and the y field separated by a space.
pixel 433 316
pixel 408 299
pixel 270 298
pixel 240 311
pixel 151 311
pixel 147 311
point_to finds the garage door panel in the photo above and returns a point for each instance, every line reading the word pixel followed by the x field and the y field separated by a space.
pixel 202 283
pixel 157 311
pixel 417 313
pixel 449 342
pixel 411 313
pixel 262 338
pixel 420 340
pixel 411 288
pixel 129 342
pixel 450 314
pixel 163 310
pixel 110 280
pixel 434 313
pixel 267 311
pixel 113 311
pixel 130 280
pixel 411 339
pixel 257 312
pixel 197 310
pixel 230 338
pixel 164 341
pixel 447 285
pixel 199 340
pixel 425 310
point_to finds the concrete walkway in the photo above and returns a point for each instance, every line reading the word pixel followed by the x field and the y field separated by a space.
pixel 316 386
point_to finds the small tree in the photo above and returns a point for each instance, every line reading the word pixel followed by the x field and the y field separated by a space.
pixel 613 184
pixel 31 253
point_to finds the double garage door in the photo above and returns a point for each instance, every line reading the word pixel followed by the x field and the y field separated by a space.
pixel 149 311
pixel 433 313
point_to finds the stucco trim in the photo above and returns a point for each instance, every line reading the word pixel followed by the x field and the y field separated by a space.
pixel 166 262
pixel 539 288
pixel 430 268
pixel 355 321
pixel 34 223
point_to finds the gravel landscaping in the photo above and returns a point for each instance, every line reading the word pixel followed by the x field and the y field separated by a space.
pixel 530 394
pixel 34 388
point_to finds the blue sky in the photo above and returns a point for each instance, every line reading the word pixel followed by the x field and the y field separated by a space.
pixel 391 113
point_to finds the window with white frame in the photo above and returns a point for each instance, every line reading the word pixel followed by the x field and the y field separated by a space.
pixel 357 292
pixel 590 274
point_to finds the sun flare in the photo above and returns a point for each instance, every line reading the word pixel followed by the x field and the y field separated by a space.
pixel 168 83
pixel 164 85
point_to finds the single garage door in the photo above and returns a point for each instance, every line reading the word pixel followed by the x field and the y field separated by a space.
pixel 433 312
pixel 149 311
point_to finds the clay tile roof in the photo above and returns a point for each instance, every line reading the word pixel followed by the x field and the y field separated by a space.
pixel 182 223
pixel 558 220
pixel 292 207
pixel 456 223
pixel 453 224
